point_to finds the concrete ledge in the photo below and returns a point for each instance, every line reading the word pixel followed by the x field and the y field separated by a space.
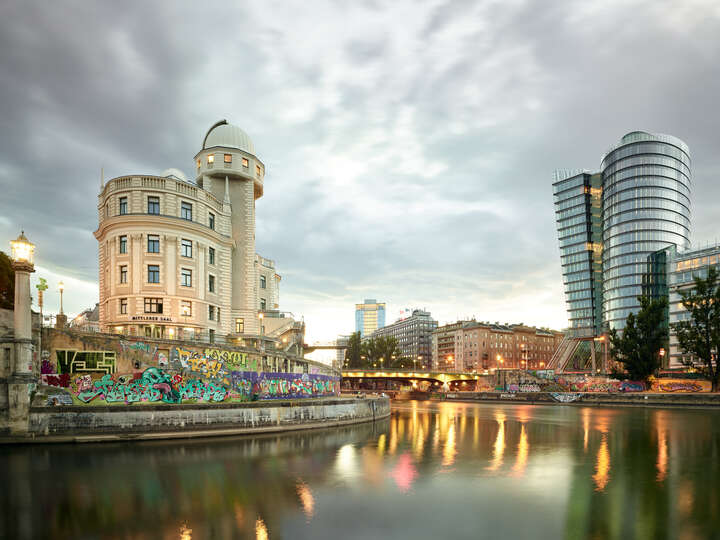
pixel 640 399
pixel 129 423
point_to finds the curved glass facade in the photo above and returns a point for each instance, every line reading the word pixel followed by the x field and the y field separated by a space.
pixel 646 207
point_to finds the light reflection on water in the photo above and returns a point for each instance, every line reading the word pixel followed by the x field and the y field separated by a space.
pixel 433 470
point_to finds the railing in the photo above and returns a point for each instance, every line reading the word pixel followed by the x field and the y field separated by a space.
pixel 153 183
pixel 186 189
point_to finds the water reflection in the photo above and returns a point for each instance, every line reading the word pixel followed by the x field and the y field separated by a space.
pixel 518 470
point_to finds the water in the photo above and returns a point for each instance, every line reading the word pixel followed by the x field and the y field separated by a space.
pixel 434 470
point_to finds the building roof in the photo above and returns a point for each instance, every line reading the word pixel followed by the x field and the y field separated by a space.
pixel 228 136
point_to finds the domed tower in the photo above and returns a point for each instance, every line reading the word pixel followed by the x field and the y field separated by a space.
pixel 228 168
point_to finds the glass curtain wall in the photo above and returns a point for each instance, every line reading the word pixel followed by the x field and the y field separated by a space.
pixel 646 208
pixel 578 204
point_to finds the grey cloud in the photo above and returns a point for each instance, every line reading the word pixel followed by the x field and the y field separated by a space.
pixel 521 90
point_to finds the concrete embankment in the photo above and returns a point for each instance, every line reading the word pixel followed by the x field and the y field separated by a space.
pixel 640 399
pixel 132 422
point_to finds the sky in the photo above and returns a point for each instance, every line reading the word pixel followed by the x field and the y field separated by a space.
pixel 409 146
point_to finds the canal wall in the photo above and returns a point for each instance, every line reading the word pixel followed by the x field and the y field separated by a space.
pixel 128 422
pixel 644 399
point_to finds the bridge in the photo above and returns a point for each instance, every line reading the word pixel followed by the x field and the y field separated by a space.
pixel 322 347
pixel 412 376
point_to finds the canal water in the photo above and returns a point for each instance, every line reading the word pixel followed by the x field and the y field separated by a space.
pixel 433 470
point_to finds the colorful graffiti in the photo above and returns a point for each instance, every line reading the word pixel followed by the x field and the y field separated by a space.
pixel 566 397
pixel 681 386
pixel 73 361
pixel 154 385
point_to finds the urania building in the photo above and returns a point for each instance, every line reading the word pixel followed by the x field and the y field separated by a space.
pixel 177 257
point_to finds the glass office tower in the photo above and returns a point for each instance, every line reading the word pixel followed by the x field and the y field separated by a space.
pixel 646 207
pixel 578 211
pixel 609 222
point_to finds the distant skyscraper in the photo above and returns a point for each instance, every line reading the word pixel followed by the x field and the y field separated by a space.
pixel 610 222
pixel 369 316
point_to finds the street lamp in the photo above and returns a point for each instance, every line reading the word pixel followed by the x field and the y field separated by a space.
pixel 22 250
pixel 61 288
pixel 22 253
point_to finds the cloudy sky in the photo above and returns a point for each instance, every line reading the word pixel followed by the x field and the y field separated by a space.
pixel 409 145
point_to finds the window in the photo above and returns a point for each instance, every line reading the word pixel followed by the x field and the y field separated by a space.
pixel 186 211
pixel 263 304
pixel 186 277
pixel 239 326
pixel 228 158
pixel 245 162
pixel 211 313
pixel 123 205
pixel 153 273
pixel 211 220
pixel 154 205
pixel 123 306
pixel 186 308
pixel 263 282
pixel 186 248
pixel 123 244
pixel 211 335
pixel 211 255
pixel 153 305
pixel 211 159
pixel 257 169
pixel 211 283
pixel 153 242
pixel 123 274
pixel 218 314
pixel 198 163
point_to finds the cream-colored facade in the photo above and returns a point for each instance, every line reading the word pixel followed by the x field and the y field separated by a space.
pixel 177 259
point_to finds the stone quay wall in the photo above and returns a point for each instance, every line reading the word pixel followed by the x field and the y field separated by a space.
pixel 645 399
pixel 84 424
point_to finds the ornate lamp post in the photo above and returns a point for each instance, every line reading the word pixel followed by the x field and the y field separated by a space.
pixel 61 319
pixel 22 253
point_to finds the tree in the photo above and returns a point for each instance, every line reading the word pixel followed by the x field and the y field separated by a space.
pixel 382 347
pixel 638 347
pixel 7 282
pixel 354 351
pixel 700 335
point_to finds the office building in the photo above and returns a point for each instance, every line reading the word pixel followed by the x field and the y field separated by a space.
pixel 640 200
pixel 413 336
pixel 369 316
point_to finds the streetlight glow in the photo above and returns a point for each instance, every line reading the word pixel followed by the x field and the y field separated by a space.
pixel 22 250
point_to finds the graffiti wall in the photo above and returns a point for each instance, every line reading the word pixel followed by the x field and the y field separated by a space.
pixel 111 369
pixel 155 385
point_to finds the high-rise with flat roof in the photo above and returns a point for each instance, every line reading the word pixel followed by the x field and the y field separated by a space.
pixel 369 316
pixel 609 222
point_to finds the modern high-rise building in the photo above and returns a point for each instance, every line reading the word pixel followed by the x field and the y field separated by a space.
pixel 369 316
pixel 646 207
pixel 610 221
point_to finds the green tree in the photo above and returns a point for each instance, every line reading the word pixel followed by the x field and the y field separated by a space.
pixel 371 351
pixel 700 335
pixel 7 282
pixel 388 350
pixel 638 347
pixel 353 352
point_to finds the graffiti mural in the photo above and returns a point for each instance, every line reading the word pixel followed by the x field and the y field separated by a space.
pixel 155 385
pixel 566 397
pixel 72 361
pixel 680 386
